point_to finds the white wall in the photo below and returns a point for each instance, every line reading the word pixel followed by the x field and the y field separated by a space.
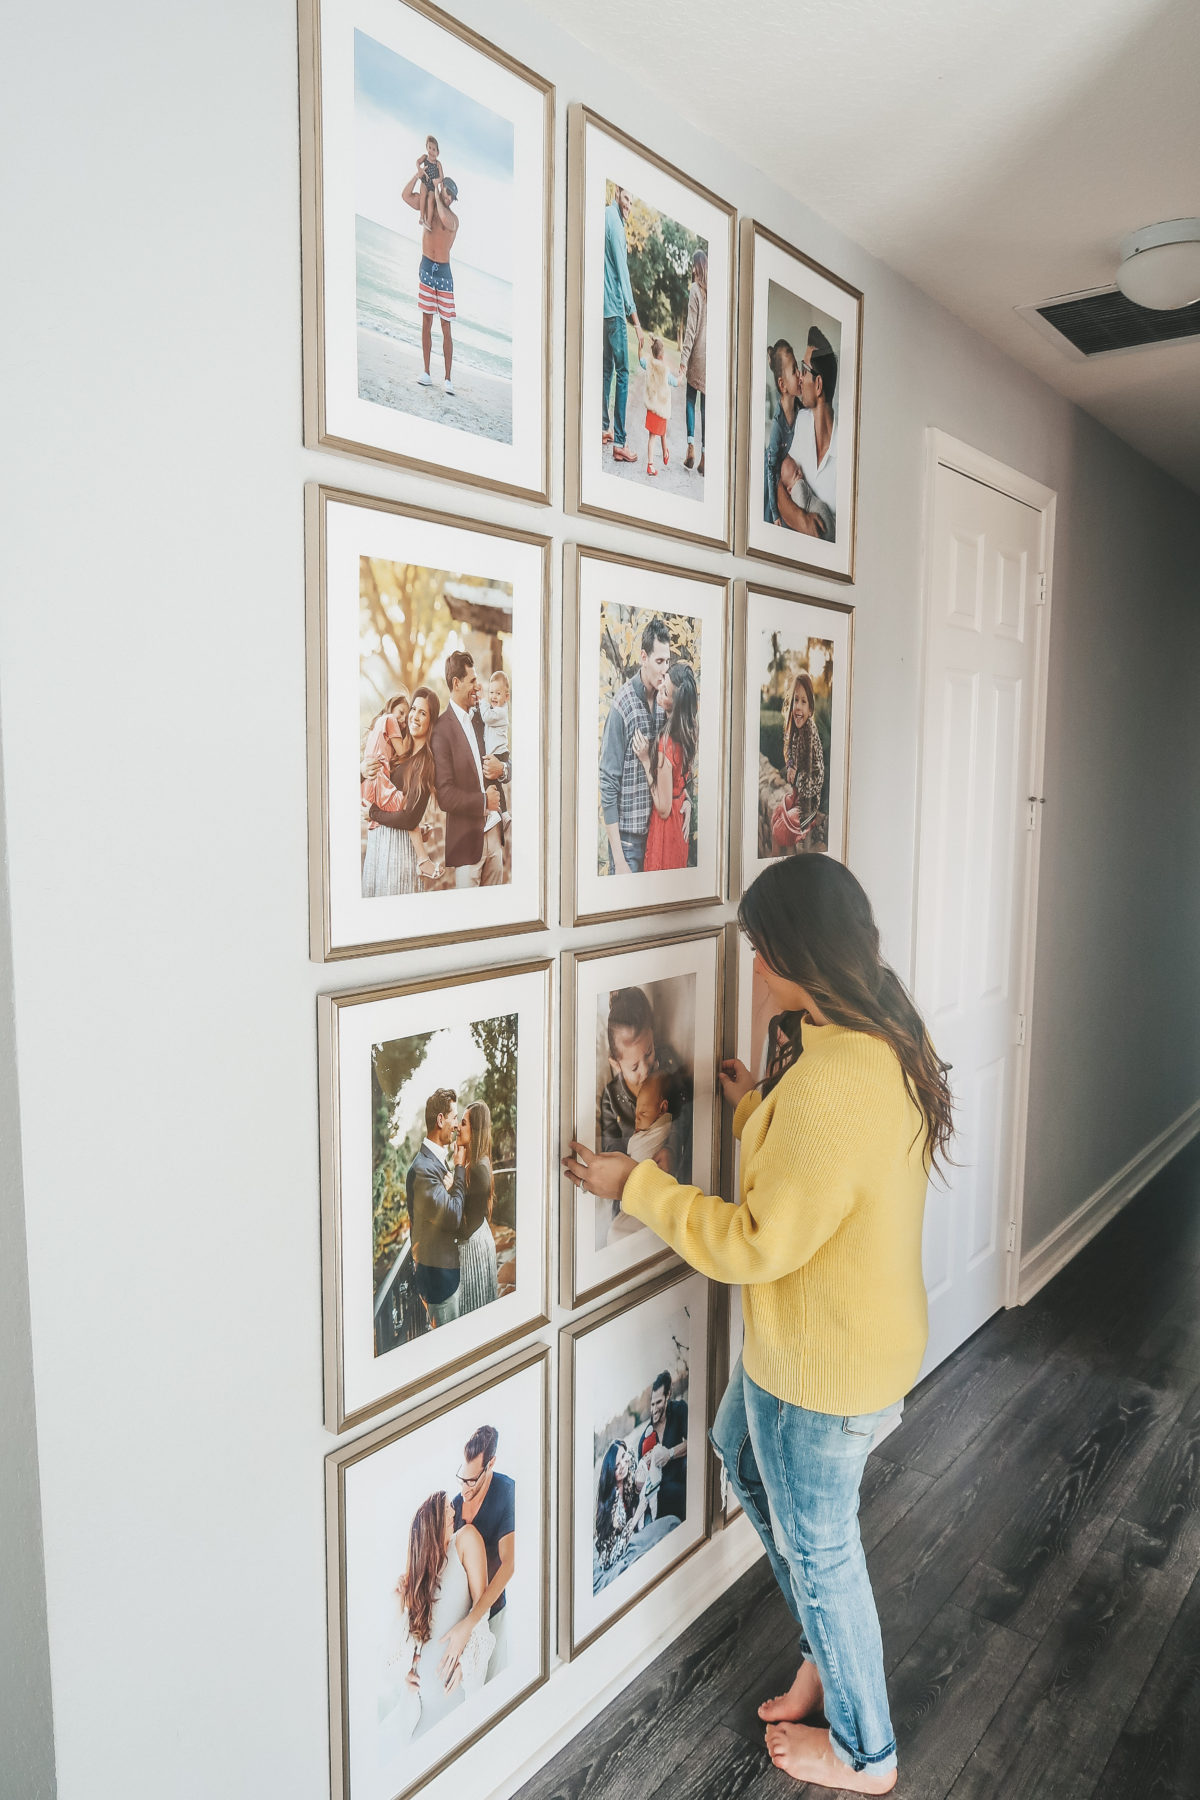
pixel 153 709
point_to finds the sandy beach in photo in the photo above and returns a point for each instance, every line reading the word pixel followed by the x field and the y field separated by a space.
pixel 387 376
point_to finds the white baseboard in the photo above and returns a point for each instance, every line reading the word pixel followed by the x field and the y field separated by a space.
pixel 1069 1238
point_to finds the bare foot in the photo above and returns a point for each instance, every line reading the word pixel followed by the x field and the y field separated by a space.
pixel 807 1755
pixel 803 1698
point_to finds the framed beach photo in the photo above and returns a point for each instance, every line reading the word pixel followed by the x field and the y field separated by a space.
pixel 427 186
pixel 427 746
pixel 799 380
pixel 644 786
pixel 438 1546
pixel 641 1040
pixel 633 1458
pixel 650 285
pixel 795 657
pixel 434 1179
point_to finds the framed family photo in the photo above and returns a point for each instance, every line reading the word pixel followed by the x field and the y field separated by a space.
pixel 641 1039
pixel 799 381
pixel 644 783
pixel 435 1179
pixel 795 656
pixel 438 1560
pixel 427 749
pixel 650 285
pixel 633 1455
pixel 427 187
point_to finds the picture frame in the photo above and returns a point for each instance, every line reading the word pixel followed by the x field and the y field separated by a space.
pixel 691 501
pixel 385 1742
pixel 392 591
pixel 615 1358
pixel 785 641
pixel 663 993
pixel 380 81
pixel 784 295
pixel 611 603
pixel 402 1307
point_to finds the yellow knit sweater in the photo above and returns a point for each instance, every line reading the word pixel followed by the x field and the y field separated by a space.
pixel 827 1238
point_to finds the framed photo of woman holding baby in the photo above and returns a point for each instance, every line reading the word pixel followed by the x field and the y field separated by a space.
pixel 798 384
pixel 641 1039
pixel 427 777
pixel 650 289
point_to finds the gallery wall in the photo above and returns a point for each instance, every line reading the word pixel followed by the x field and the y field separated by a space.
pixel 153 709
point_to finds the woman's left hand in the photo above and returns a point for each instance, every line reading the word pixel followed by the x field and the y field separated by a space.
pixel 603 1173
pixel 641 748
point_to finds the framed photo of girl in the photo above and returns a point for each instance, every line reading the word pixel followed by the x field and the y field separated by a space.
pixel 641 1039
pixel 650 265
pixel 644 781
pixel 434 1179
pixel 799 382
pixel 438 1579
pixel 427 751
pixel 427 186
pixel 796 656
pixel 634 1389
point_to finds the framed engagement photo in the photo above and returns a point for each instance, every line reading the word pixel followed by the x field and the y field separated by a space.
pixel 795 657
pixel 427 750
pixel 633 1454
pixel 641 1039
pixel 644 797
pixel 434 1179
pixel 650 284
pixel 438 1548
pixel 427 185
pixel 799 381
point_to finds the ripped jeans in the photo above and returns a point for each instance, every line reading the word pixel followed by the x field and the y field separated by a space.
pixel 797 1475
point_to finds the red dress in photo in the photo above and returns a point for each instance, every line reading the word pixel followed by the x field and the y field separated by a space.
pixel 666 846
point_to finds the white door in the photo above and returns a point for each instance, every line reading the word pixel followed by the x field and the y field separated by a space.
pixel 980 751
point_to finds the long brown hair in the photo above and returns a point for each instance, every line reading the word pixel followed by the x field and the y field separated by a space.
pixel 790 728
pixel 810 920
pixel 418 766
pixel 700 268
pixel 422 1577
pixel 684 722
pixel 479 1117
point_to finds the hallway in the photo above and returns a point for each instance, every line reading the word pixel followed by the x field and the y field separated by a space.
pixel 1033 1534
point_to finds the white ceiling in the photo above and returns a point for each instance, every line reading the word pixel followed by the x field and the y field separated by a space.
pixel 995 152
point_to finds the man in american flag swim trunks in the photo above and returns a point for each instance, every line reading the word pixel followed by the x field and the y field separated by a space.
pixel 435 293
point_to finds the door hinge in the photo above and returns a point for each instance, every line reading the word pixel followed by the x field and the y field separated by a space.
pixel 1031 821
pixel 1020 1028
pixel 1012 1236
pixel 1040 594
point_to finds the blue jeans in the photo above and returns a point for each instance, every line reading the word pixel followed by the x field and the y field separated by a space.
pixel 616 356
pixel 635 854
pixel 691 415
pixel 797 1475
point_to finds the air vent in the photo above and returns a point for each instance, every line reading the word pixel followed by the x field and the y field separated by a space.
pixel 1104 321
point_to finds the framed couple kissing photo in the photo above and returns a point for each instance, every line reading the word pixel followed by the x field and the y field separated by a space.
pixel 644 782
pixel 427 188
pixel 799 382
pixel 641 1038
pixel 434 1179
pixel 650 284
pixel 438 1558
pixel 427 751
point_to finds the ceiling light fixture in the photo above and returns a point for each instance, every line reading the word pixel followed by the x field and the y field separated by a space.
pixel 1160 265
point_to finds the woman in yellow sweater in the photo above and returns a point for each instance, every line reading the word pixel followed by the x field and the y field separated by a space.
pixel 836 1149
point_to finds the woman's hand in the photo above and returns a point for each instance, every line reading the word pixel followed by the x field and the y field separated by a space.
pixel 736 1081
pixel 603 1173
pixel 641 749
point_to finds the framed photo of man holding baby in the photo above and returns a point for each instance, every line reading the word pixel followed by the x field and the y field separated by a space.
pixel 644 776
pixel 434 1179
pixel 427 187
pixel 650 289
pixel 641 1041
pixel 799 381
pixel 427 754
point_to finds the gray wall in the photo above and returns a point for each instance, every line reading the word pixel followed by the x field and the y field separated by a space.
pixel 152 657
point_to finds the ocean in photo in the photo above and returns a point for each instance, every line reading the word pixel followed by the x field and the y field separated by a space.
pixel 387 266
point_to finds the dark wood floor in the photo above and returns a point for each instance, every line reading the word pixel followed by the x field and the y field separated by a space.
pixel 1033 1535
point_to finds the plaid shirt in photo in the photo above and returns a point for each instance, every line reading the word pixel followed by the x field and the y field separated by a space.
pixel 624 790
